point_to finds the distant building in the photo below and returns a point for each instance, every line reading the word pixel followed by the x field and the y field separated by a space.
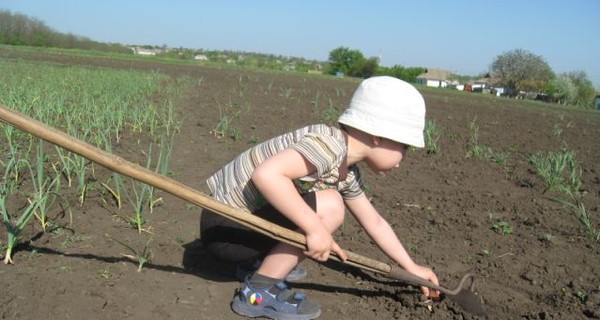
pixel 200 57
pixel 438 78
pixel 481 85
pixel 598 102
pixel 145 51
pixel 488 85
pixel 289 67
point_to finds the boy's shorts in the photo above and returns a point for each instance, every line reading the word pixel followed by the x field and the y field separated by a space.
pixel 233 242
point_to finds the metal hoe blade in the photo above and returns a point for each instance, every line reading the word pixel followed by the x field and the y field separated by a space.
pixel 465 297
pixel 469 301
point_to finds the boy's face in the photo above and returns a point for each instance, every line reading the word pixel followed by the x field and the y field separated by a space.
pixel 385 155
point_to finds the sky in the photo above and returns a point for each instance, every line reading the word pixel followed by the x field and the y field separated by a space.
pixel 464 37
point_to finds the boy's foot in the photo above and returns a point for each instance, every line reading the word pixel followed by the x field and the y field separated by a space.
pixel 244 269
pixel 275 302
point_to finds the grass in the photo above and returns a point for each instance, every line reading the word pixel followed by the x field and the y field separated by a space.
pixel 223 127
pixel 559 171
pixel 502 227
pixel 67 165
pixel 47 189
pixel 561 174
pixel 500 158
pixel 286 93
pixel 142 256
pixel 71 240
pixel 141 196
pixel 578 207
pixel 14 223
pixel 474 148
pixel 315 102
pixel 331 113
pixel 432 137
pixel 96 105
pixel 80 166
pixel 116 190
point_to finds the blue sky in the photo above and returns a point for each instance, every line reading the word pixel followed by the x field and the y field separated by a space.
pixel 461 36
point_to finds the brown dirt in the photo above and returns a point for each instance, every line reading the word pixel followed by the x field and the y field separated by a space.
pixel 442 206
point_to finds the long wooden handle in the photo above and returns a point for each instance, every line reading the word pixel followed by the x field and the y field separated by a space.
pixel 129 169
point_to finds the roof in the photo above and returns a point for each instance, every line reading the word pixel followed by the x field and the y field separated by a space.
pixel 492 81
pixel 435 74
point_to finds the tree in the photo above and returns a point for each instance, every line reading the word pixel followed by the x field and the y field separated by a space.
pixel 586 94
pixel 521 70
pixel 352 63
pixel 364 68
pixel 562 89
pixel 342 59
pixel 572 88
pixel 400 72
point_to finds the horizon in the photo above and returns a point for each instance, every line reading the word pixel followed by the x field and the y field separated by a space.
pixel 461 36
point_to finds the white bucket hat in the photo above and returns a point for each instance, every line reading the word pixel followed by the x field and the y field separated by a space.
pixel 387 107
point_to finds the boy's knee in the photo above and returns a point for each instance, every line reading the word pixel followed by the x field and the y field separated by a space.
pixel 330 206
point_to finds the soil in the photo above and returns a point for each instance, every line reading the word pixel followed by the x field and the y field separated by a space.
pixel 443 206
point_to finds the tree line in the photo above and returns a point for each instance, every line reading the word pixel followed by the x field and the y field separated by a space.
pixel 19 29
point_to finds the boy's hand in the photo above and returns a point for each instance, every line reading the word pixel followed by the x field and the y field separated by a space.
pixel 320 244
pixel 428 274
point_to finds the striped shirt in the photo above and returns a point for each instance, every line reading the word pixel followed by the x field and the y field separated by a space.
pixel 323 146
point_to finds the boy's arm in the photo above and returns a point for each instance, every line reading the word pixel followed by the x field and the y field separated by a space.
pixel 273 178
pixel 384 236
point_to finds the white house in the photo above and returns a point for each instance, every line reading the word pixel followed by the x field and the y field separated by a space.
pixel 438 78
pixel 490 84
pixel 145 52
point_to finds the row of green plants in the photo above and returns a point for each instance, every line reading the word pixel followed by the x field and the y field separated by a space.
pixel 99 106
pixel 559 171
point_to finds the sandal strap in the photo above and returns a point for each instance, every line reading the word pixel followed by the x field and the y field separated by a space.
pixel 283 294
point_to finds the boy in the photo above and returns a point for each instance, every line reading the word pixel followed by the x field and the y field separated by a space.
pixel 304 180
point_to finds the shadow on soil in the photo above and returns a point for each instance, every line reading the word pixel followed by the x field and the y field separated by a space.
pixel 199 262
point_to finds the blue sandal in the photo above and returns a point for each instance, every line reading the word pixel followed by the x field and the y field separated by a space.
pixel 275 302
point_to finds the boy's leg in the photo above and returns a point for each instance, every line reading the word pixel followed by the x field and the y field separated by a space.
pixel 233 242
pixel 230 241
pixel 283 257
pixel 264 294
